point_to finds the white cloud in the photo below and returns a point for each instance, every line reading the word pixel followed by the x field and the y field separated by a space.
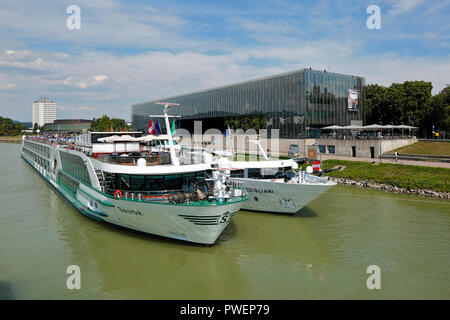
pixel 158 74
pixel 99 78
pixel 403 6
pixel 434 7
pixel 73 109
pixel 7 86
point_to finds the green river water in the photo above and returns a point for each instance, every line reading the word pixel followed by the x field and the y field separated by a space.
pixel 321 253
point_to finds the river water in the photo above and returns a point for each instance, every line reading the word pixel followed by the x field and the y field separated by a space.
pixel 321 253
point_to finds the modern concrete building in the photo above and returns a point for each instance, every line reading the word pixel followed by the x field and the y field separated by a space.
pixel 297 103
pixel 44 111
pixel 361 148
pixel 69 125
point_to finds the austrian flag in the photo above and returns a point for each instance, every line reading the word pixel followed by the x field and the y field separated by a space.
pixel 151 128
pixel 316 166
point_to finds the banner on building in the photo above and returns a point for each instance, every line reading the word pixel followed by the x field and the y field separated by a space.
pixel 312 152
pixel 353 99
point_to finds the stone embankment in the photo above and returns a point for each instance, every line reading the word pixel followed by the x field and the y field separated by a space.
pixel 391 188
pixel 10 140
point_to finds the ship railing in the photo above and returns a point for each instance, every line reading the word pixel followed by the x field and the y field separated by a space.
pixel 192 156
pixel 309 178
pixel 151 159
pixel 188 195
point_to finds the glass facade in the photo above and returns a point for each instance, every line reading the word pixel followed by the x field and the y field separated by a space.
pixel 74 165
pixel 297 103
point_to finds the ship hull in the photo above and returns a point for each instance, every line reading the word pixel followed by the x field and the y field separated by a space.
pixel 279 197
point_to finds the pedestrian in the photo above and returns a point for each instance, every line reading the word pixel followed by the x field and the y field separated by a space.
pixel 396 156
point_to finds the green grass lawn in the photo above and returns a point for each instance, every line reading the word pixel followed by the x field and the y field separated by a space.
pixel 399 175
pixel 425 148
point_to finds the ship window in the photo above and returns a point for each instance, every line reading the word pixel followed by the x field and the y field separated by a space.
pixel 124 181
pixel 188 180
pixel 155 183
pixel 137 183
pixel 201 177
pixel 254 172
pixel 237 174
pixel 173 182
pixel 75 166
pixel 69 184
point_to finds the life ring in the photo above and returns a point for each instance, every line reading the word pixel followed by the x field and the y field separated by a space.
pixel 311 154
pixel 118 194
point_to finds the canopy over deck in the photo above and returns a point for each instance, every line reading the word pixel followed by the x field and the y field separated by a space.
pixel 369 127
pixel 128 138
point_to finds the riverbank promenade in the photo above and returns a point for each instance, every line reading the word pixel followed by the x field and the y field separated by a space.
pixel 377 160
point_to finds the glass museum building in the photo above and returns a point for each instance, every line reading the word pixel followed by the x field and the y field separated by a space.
pixel 298 103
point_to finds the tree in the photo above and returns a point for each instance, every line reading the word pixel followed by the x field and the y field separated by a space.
pixel 438 113
pixel 255 121
pixel 10 128
pixel 118 124
pixel 376 104
pixel 105 124
pixel 409 103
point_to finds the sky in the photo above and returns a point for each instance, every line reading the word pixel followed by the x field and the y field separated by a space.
pixel 127 52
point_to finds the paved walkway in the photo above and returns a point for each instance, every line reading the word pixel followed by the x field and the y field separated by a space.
pixel 409 162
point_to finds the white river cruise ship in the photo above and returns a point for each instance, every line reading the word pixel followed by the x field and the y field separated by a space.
pixel 116 178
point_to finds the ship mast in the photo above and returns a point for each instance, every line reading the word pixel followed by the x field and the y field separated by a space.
pixel 174 158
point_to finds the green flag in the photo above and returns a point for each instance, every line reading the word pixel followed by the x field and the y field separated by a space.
pixel 172 130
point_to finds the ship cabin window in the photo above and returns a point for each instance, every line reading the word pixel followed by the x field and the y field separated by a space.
pixel 237 173
pixel 262 173
pixel 154 183
pixel 254 172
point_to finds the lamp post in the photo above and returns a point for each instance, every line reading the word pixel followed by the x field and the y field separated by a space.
pixel 299 137
pixel 381 142
pixel 304 141
pixel 409 123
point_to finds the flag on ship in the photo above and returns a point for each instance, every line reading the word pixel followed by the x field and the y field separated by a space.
pixel 172 130
pixel 316 166
pixel 151 128
pixel 157 127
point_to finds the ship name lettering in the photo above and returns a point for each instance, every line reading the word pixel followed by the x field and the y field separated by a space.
pixel 259 190
pixel 130 211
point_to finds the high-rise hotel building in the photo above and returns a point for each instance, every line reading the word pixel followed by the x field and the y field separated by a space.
pixel 44 111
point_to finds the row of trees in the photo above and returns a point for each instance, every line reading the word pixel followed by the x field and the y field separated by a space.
pixel 10 128
pixel 410 103
pixel 106 124
pixel 256 122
